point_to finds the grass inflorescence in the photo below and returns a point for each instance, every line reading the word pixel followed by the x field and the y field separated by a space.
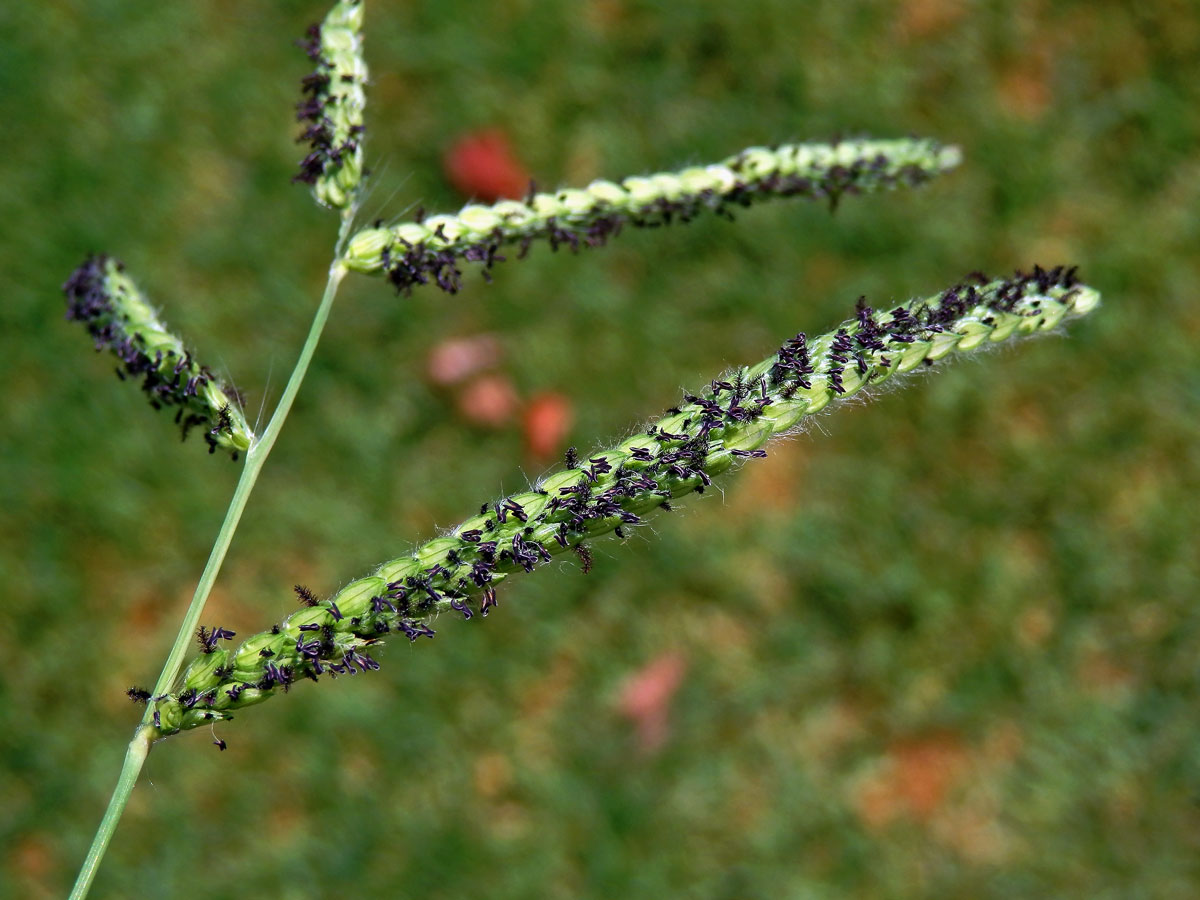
pixel 119 318
pixel 608 491
pixel 334 99
pixel 430 250
pixel 612 490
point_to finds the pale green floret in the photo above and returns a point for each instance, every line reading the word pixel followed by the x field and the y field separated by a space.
pixel 309 615
pixel 785 416
pixel 608 192
pixel 816 157
pixel 434 552
pixel 941 344
pixel 347 14
pixel 513 212
pixel 200 674
pixel 638 441
pixel 479 219
pixel 545 206
pixel 398 570
pixel 566 478
pixel 801 156
pixel 1003 331
pixel 759 162
pixel 949 157
pixel 642 190
pixel 723 176
pixel 1085 300
pixel 355 598
pixel 443 230
pixel 350 174
pixel 170 718
pixel 698 179
pixel 844 155
pixel 576 202
pixel 329 193
pixel 411 233
pixel 973 333
pixel 669 185
pixel 785 163
pixel 248 652
pixel 337 42
pixel 364 252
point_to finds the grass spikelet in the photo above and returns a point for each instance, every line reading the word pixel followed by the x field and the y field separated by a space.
pixel 334 99
pixel 119 317
pixel 432 250
pixel 711 432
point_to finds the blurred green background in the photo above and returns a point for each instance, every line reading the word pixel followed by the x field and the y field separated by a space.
pixel 947 644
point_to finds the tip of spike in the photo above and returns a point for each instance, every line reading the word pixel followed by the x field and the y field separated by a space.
pixel 950 157
pixel 1085 300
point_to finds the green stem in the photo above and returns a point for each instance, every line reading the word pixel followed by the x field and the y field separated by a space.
pixel 146 733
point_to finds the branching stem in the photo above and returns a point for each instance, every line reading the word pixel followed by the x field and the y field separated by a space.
pixel 256 456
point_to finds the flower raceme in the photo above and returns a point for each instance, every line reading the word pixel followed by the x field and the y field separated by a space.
pixel 334 107
pixel 430 250
pixel 117 316
pixel 612 490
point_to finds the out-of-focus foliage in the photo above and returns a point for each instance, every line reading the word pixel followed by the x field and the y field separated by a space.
pixel 947 648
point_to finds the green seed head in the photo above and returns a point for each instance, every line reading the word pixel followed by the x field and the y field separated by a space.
pixel 417 253
pixel 613 490
pixel 333 106
pixel 119 317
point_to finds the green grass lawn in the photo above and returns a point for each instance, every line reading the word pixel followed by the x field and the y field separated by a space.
pixel 947 644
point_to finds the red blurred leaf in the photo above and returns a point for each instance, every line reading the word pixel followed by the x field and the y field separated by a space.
pixel 482 166
pixel 490 401
pixel 914 781
pixel 547 420
pixel 646 699
pixel 456 359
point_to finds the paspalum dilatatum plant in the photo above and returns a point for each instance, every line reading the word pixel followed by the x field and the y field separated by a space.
pixel 715 429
